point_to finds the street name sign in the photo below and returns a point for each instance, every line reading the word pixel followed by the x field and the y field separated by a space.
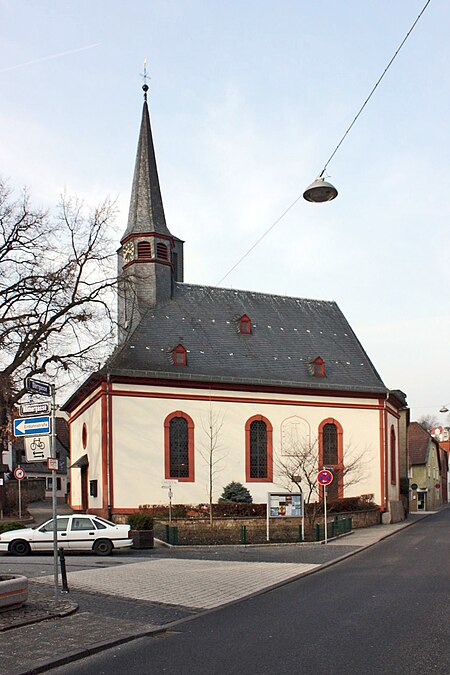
pixel 168 483
pixel 38 387
pixel 35 408
pixel 37 448
pixel 32 426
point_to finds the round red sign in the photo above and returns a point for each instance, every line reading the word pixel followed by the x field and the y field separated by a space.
pixel 19 473
pixel 325 477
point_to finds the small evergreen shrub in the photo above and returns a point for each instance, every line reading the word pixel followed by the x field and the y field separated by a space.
pixel 235 492
pixel 140 521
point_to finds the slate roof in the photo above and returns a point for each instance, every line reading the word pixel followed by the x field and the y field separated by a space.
pixel 146 212
pixel 287 334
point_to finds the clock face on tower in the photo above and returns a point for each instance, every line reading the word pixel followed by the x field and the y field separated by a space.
pixel 128 252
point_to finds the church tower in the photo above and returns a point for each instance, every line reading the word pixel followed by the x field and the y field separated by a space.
pixel 150 258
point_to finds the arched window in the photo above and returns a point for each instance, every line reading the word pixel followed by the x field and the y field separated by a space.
pixel 331 455
pixel 179 447
pixel 179 356
pixel 393 458
pixel 245 325
pixel 161 251
pixel 258 450
pixel 144 250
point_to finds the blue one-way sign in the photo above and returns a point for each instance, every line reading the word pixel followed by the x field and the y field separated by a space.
pixel 32 426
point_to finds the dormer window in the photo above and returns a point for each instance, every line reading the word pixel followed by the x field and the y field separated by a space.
pixel 144 250
pixel 179 356
pixel 318 367
pixel 245 325
pixel 161 251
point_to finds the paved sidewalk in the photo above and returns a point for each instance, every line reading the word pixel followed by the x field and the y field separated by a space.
pixel 125 601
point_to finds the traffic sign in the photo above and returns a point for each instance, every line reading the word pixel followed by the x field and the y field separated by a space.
pixel 38 387
pixel 19 473
pixel 34 408
pixel 32 426
pixel 52 463
pixel 168 483
pixel 37 448
pixel 325 477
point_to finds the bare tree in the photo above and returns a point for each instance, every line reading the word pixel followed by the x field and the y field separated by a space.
pixel 56 287
pixel 212 451
pixel 299 465
pixel 428 421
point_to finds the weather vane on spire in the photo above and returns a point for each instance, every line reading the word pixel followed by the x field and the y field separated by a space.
pixel 145 77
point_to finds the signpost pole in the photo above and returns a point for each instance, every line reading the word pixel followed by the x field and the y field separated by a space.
pixel 170 504
pixel 325 490
pixel 303 517
pixel 54 500
pixel 267 517
pixel 20 498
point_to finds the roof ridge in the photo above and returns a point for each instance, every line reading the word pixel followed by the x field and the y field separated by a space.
pixel 258 293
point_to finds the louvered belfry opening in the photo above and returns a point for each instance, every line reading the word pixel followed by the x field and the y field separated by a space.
pixel 258 449
pixel 179 448
pixel 161 251
pixel 144 250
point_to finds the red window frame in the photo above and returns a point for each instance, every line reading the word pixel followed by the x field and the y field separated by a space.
pixel 393 457
pixel 190 478
pixel 179 356
pixel 318 367
pixel 269 450
pixel 245 327
pixel 339 467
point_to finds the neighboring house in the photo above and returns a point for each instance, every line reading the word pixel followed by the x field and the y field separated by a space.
pixel 266 375
pixel 39 469
pixel 425 469
pixel 442 434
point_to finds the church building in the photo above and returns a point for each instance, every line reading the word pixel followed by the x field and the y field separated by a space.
pixel 219 382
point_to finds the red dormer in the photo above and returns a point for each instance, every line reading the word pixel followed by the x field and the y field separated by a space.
pixel 318 367
pixel 179 356
pixel 245 326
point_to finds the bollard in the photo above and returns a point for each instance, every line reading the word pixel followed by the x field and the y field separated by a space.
pixel 62 560
pixel 243 534
pixel 317 532
pixel 300 538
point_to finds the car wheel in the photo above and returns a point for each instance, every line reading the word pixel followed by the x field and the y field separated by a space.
pixel 20 547
pixel 103 547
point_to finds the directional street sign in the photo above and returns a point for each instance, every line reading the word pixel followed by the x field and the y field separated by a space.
pixel 32 426
pixel 37 448
pixel 325 477
pixel 35 408
pixel 38 387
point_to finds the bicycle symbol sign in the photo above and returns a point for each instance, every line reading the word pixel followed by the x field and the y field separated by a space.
pixel 37 448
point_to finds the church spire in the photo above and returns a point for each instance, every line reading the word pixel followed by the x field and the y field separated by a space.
pixel 146 212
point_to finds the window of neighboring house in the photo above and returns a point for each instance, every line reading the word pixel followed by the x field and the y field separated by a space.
pixel 393 458
pixel 179 446
pixel 245 325
pixel 318 367
pixel 93 488
pixel 179 356
pixel 161 251
pixel 258 450
pixel 144 250
pixel 49 484
pixel 331 456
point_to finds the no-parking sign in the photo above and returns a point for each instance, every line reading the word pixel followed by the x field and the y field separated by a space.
pixel 325 477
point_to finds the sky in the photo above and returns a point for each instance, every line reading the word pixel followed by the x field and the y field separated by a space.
pixel 248 99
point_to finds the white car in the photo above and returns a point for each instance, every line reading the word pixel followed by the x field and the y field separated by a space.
pixel 78 532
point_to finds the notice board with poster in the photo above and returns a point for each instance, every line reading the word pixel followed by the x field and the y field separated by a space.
pixel 284 504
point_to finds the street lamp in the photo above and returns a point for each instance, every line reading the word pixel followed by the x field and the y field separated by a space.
pixel 444 409
pixel 320 191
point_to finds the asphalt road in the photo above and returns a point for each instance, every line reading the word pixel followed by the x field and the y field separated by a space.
pixel 384 610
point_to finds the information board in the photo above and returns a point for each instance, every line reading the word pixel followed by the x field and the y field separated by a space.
pixel 285 505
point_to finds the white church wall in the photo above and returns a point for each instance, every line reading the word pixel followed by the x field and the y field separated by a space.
pixel 91 417
pixel 138 439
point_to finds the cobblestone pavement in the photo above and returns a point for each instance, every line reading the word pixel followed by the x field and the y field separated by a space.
pixel 127 596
